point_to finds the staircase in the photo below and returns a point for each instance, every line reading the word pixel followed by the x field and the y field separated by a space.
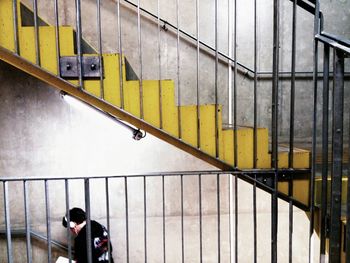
pixel 196 129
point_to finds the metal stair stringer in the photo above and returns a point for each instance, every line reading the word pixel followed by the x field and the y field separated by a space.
pixel 60 84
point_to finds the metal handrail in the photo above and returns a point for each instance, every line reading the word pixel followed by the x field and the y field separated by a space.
pixel 22 233
pixel 335 42
pixel 304 5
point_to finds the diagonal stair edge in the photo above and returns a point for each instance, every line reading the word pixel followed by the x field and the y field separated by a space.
pixel 56 82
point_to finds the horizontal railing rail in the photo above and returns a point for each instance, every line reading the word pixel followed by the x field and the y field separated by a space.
pixel 21 232
pixel 163 201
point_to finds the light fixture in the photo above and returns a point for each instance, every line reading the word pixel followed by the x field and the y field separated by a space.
pixel 137 134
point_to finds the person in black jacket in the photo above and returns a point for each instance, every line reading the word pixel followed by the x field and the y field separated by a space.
pixel 99 238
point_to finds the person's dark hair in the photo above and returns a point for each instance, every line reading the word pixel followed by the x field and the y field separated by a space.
pixel 76 215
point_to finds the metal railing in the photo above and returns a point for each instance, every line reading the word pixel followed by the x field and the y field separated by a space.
pixel 169 217
pixel 332 212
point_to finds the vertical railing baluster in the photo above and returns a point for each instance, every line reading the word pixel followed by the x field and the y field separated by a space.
pixel 291 130
pixel 120 57
pixel 255 221
pixel 230 201
pixel 236 218
pixel 178 68
pixel 347 234
pixel 15 26
pixel 36 32
pixel 235 145
pixel 57 37
pixel 108 221
pixel 314 130
pixel 216 81
pixel 218 215
pixel 48 221
pixel 27 222
pixel 88 220
pixel 79 42
pixel 140 57
pixel 145 216
pixel 126 218
pixel 163 215
pixel 100 48
pixel 255 129
pixel 200 219
pixel 197 78
pixel 182 219
pixel 69 235
pixel 7 222
pixel 337 168
pixel 159 68
pixel 325 127
pixel 275 87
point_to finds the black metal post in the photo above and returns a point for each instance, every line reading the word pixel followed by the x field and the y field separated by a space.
pixel 325 127
pixel 275 69
pixel 337 169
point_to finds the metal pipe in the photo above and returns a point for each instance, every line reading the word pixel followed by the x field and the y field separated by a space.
pixel 159 68
pixel 236 219
pixel 108 221
pixel 300 3
pixel 230 202
pixel 178 69
pixel 314 131
pixel 163 215
pixel 198 79
pixel 120 57
pixel 292 95
pixel 216 82
pixel 325 127
pixel 15 26
pixel 57 37
pixel 48 221
pixel 99 35
pixel 27 222
pixel 126 218
pixel 218 215
pixel 140 57
pixel 255 129
pixel 88 220
pixel 69 235
pixel 347 234
pixel 145 215
pixel 275 88
pixel 7 222
pixel 36 32
pixel 255 222
pixel 79 42
pixel 235 145
pixel 200 218
pixel 291 130
pixel 182 219
pixel 337 168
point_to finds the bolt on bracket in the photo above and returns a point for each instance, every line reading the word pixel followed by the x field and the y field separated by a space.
pixel 90 67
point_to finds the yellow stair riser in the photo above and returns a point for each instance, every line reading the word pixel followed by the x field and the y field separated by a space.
pixel 47 44
pixel 207 128
pixel 300 189
pixel 245 148
pixel 7 24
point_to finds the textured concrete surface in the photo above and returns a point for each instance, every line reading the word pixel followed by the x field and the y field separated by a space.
pixel 42 135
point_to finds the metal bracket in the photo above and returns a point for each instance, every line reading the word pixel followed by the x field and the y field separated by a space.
pixel 90 67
